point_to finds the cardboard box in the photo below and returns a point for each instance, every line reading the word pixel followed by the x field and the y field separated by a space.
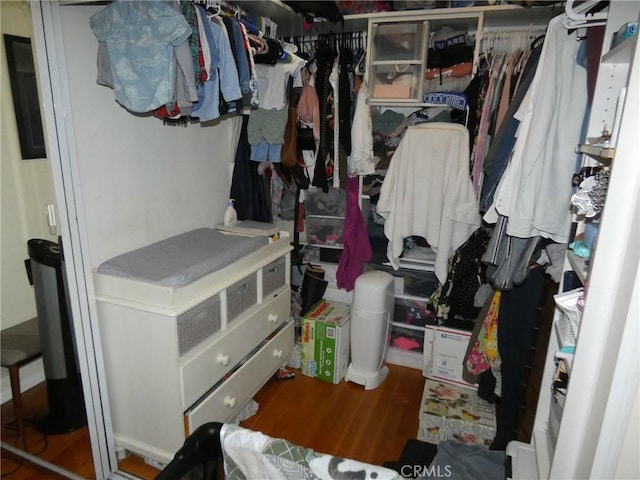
pixel 451 412
pixel 444 350
pixel 326 341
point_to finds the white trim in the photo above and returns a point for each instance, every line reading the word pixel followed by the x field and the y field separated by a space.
pixel 40 462
pixel 61 147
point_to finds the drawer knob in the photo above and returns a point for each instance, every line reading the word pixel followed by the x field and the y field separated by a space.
pixel 223 359
pixel 273 317
pixel 230 402
pixel 277 353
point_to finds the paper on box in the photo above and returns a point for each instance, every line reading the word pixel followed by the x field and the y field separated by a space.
pixel 326 341
pixel 444 351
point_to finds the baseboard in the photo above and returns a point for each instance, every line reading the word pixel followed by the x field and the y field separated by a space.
pixel 30 376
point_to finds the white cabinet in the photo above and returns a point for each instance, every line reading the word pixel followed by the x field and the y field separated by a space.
pixel 178 357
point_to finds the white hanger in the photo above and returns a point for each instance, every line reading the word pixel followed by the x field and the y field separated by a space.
pixel 359 68
pixel 578 17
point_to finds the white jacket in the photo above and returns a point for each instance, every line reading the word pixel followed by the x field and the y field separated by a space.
pixel 428 192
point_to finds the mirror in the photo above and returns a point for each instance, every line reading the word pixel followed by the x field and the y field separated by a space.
pixel 29 211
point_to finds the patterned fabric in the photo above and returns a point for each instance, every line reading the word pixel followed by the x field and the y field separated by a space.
pixel 455 298
pixel 190 15
pixel 484 354
pixel 140 37
pixel 324 163
pixel 253 76
pixel 250 455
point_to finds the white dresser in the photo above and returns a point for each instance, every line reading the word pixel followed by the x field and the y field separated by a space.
pixel 178 356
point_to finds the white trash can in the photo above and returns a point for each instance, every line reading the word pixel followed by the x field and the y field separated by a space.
pixel 371 314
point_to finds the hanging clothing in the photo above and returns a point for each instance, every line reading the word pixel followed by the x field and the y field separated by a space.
pixel 535 190
pixel 140 37
pixel 308 107
pixel 497 157
pixel 241 58
pixel 223 75
pixel 273 81
pixel 332 165
pixel 251 198
pixel 361 161
pixel 265 132
pixel 484 355
pixel 454 300
pixel 190 14
pixel 344 105
pixel 357 249
pixel 324 159
pixel 516 321
pixel 205 50
pixel 254 101
pixel 427 192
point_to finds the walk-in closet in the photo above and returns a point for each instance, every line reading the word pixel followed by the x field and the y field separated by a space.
pixel 218 177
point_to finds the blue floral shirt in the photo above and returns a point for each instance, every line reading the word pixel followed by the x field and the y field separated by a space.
pixel 140 36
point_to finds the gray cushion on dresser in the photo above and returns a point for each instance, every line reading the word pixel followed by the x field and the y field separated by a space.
pixel 180 260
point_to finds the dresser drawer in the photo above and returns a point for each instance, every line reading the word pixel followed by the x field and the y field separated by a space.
pixel 199 324
pixel 201 372
pixel 274 276
pixel 225 402
pixel 241 296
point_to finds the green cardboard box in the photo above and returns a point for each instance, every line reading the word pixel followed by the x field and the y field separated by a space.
pixel 326 341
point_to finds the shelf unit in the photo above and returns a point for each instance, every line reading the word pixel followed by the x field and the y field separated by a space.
pixel 412 289
pixel 578 265
pixel 494 16
pixel 582 434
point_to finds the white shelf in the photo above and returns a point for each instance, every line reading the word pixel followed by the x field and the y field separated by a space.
pixel 567 358
pixel 406 296
pixel 409 326
pixel 405 358
pixel 579 265
pixel 543 455
pixel 523 460
pixel 621 53
pixel 602 154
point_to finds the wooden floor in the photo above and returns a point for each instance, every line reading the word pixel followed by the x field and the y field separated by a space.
pixel 370 426
pixel 70 451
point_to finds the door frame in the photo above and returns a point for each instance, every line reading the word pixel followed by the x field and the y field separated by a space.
pixel 61 147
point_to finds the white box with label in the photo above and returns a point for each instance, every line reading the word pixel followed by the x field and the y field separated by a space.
pixel 444 351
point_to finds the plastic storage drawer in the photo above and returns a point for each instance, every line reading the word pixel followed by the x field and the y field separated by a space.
pixel 398 41
pixel 395 82
pixel 407 338
pixel 417 283
pixel 324 231
pixel 412 312
pixel 332 203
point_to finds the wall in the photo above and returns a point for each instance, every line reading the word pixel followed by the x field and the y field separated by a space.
pixel 26 187
pixel 140 181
